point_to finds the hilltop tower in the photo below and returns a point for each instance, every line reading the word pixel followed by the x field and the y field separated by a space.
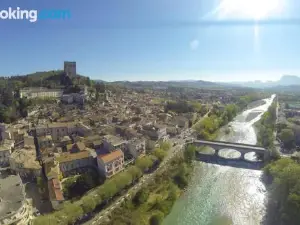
pixel 70 69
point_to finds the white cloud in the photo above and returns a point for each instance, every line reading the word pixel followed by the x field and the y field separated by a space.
pixel 194 44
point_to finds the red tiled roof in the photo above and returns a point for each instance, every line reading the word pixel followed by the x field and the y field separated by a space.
pixel 55 190
pixel 111 156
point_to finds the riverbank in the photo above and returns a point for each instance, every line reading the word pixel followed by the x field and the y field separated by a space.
pixel 265 130
pixel 283 182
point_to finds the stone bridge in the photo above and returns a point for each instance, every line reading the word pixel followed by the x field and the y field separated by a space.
pixel 242 148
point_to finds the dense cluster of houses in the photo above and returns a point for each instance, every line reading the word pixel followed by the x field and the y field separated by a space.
pixel 61 140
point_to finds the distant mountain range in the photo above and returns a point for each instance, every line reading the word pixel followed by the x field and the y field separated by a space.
pixel 284 83
pixel 285 80
pixel 166 84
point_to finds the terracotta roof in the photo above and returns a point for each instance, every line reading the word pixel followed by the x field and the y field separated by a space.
pixel 67 157
pixel 55 190
pixel 111 156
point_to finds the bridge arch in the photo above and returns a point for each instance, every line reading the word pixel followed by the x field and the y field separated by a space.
pixel 243 149
pixel 206 150
pixel 228 153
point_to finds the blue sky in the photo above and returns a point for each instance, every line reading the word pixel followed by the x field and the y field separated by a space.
pixel 156 40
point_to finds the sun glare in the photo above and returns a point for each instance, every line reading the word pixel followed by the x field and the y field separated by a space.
pixel 253 9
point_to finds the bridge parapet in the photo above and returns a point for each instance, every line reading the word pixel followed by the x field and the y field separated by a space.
pixel 243 149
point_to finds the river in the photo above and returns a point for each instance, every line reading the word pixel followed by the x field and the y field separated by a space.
pixel 221 195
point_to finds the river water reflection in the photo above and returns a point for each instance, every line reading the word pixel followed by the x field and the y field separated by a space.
pixel 221 195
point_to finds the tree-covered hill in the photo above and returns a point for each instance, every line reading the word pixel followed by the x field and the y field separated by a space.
pixel 50 79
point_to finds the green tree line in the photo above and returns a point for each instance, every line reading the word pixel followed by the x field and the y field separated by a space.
pixel 154 202
pixel 284 200
pixel 207 127
pixel 266 128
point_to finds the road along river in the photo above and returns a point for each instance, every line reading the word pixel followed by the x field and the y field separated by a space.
pixel 221 195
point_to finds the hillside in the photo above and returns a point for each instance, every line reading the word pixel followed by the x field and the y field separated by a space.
pixel 50 79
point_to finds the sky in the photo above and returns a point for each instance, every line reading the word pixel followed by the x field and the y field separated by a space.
pixel 214 40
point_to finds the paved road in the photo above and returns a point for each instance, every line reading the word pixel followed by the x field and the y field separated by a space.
pixel 143 181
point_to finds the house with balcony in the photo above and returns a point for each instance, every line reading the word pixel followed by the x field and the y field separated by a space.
pixel 111 163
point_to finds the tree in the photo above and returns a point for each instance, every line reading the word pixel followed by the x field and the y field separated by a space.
pixel 108 190
pixel 72 211
pixel 100 87
pixel 8 97
pixel 4 115
pixel 150 145
pixel 122 180
pixel 157 218
pixel 165 145
pixel 190 153
pixel 172 195
pixel 231 111
pixel 45 220
pixel 144 163
pixel 135 172
pixel 281 126
pixel 88 204
pixel 287 137
pixel 285 189
pixel 160 154
pixel 88 82
pixel 181 176
pixel 141 196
